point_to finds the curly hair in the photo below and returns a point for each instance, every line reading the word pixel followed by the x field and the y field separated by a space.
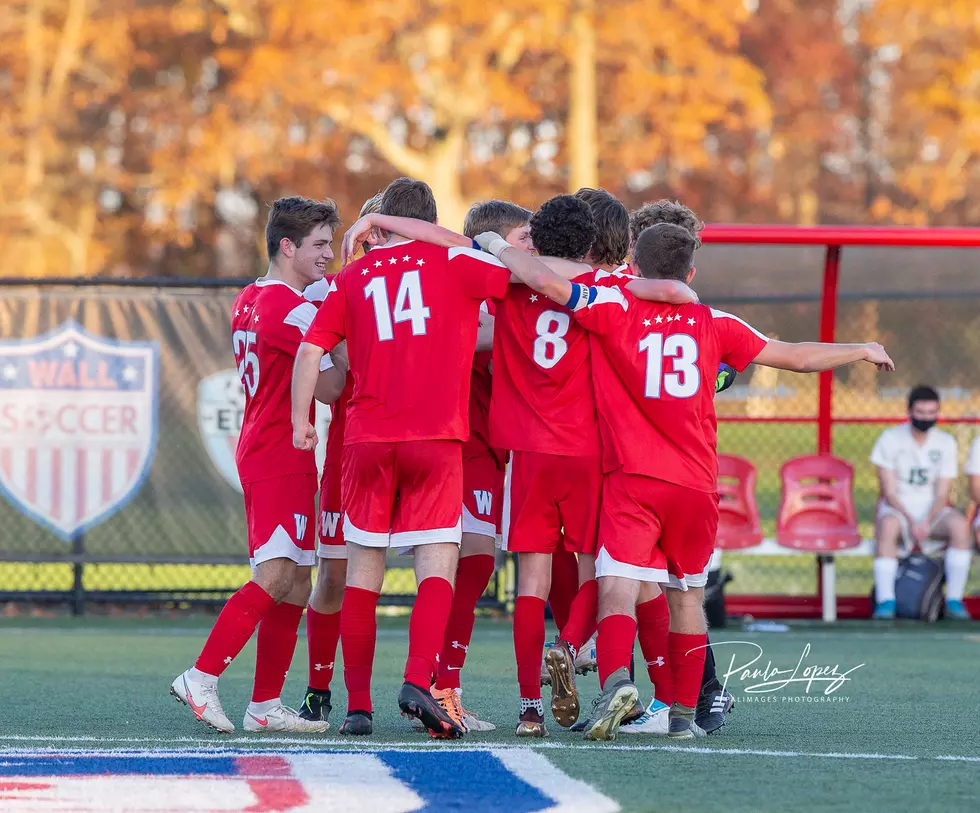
pixel 612 222
pixel 665 211
pixel 563 227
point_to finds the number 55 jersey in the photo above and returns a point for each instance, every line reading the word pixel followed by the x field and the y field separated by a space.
pixel 410 313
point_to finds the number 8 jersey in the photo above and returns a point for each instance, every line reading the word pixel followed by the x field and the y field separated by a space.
pixel 268 321
pixel 410 313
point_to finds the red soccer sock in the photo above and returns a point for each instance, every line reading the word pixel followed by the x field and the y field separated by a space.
pixel 564 585
pixel 582 618
pixel 274 650
pixel 653 623
pixel 614 646
pixel 472 578
pixel 687 665
pixel 322 635
pixel 358 635
pixel 235 625
pixel 529 644
pixel 427 630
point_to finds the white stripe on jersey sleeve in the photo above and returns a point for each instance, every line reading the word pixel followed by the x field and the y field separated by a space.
pixel 301 317
pixel 608 296
pixel 619 272
pixel 482 256
pixel 317 291
pixel 725 315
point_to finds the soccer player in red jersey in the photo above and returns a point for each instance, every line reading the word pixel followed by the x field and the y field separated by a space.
pixel 655 372
pixel 323 611
pixel 410 313
pixel 269 319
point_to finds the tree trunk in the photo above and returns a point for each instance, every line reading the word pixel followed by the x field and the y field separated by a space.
pixel 583 138
pixel 444 175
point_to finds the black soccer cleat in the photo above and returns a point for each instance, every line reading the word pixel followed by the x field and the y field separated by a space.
pixel 358 724
pixel 713 710
pixel 416 702
pixel 316 705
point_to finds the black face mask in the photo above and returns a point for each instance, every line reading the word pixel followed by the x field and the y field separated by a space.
pixel 922 425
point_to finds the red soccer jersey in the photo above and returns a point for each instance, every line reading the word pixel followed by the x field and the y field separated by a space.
pixel 410 313
pixel 268 323
pixel 481 387
pixel 655 367
pixel 543 400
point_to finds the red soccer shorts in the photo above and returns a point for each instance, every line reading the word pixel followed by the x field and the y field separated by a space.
pixel 403 494
pixel 281 517
pixel 483 495
pixel 330 528
pixel 552 495
pixel 654 531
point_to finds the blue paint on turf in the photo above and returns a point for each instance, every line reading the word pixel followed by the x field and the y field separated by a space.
pixel 112 765
pixel 469 780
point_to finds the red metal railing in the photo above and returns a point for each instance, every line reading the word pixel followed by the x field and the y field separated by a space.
pixel 834 238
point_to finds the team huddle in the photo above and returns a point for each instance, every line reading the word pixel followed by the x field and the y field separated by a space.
pixel 525 351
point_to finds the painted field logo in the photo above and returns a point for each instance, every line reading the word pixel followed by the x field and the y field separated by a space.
pixel 220 410
pixel 78 425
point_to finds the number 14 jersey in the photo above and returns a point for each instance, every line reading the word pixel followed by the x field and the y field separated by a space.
pixel 410 313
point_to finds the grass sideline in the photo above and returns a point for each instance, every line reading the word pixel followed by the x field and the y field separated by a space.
pixel 908 721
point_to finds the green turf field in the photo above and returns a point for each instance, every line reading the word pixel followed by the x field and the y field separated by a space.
pixel 901 735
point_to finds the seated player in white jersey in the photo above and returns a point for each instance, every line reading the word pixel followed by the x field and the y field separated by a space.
pixel 917 464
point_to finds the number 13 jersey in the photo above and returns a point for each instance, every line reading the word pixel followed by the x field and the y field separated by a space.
pixel 543 399
pixel 410 313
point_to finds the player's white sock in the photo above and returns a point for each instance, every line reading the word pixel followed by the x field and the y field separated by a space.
pixel 265 706
pixel 532 703
pixel 885 570
pixel 957 572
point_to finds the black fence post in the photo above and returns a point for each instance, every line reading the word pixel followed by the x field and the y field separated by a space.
pixel 78 568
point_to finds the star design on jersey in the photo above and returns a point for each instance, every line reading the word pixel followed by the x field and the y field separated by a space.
pixel 393 261
pixel 256 319
pixel 647 323
pixel 237 311
pixel 377 264
pixel 690 321
pixel 534 297
pixel 406 259
pixel 246 309
pixel 367 271
pixel 421 262
pixel 660 320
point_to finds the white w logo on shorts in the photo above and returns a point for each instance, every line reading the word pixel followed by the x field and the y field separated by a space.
pixel 300 526
pixel 328 523
pixel 484 502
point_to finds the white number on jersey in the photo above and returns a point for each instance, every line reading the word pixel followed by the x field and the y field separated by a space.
pixel 685 380
pixel 409 306
pixel 242 345
pixel 550 345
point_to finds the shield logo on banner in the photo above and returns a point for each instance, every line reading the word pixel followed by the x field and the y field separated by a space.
pixel 78 425
pixel 220 410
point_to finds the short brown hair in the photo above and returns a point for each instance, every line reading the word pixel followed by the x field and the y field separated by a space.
pixel 406 197
pixel 664 251
pixel 665 211
pixel 612 223
pixel 500 216
pixel 294 218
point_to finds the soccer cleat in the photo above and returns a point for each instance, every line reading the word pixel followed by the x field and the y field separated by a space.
pixel 653 721
pixel 358 724
pixel 956 610
pixel 417 702
pixel 614 704
pixel 585 658
pixel 545 674
pixel 713 710
pixel 564 698
pixel 884 610
pixel 470 720
pixel 531 724
pixel 448 701
pixel 681 724
pixel 316 705
pixel 202 698
pixel 280 718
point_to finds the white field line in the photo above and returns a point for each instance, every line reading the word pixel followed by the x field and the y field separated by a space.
pixel 195 746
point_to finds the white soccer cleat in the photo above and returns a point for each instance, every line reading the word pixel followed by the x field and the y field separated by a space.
pixel 585 658
pixel 202 698
pixel 280 718
pixel 470 721
pixel 655 723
